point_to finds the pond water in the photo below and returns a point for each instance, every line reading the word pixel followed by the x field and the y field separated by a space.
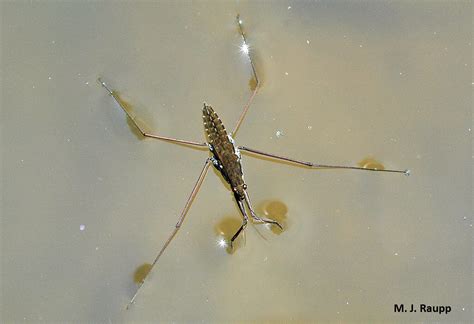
pixel 87 204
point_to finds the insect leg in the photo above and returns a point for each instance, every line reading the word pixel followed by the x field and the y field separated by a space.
pixel 317 165
pixel 246 50
pixel 259 219
pixel 117 99
pixel 244 223
pixel 193 194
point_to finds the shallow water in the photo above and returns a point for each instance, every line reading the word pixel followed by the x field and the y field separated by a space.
pixel 86 203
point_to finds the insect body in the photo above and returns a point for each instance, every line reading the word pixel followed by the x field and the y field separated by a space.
pixel 226 158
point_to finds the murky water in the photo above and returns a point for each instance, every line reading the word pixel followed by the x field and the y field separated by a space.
pixel 86 204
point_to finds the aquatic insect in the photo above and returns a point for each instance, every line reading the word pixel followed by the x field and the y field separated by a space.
pixel 225 157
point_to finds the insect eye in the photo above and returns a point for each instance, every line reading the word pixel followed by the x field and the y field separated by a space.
pixel 244 186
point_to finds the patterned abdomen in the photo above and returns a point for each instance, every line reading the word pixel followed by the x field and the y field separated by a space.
pixel 222 148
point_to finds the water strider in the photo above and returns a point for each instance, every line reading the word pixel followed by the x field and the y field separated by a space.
pixel 226 157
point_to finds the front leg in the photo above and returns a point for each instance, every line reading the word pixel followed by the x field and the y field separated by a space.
pixel 257 218
pixel 244 222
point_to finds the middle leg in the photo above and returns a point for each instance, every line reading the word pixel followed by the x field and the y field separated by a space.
pixel 318 165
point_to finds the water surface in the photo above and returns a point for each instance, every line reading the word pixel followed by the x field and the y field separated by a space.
pixel 86 203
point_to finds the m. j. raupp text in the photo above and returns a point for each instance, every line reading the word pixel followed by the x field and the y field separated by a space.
pixel 422 308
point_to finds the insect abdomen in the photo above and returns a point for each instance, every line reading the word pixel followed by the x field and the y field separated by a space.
pixel 222 148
